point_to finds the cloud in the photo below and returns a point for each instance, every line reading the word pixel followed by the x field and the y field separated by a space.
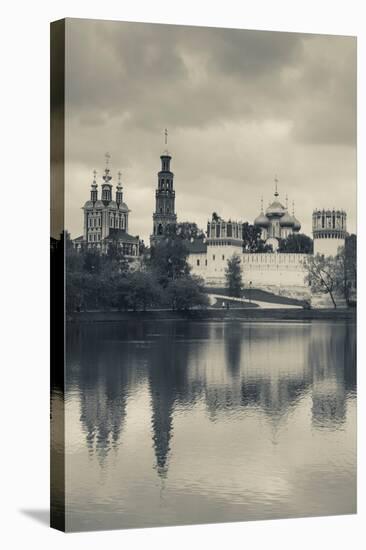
pixel 240 106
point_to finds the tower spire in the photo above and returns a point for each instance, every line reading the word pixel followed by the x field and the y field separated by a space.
pixel 119 192
pixel 94 188
pixel 164 214
pixel 107 186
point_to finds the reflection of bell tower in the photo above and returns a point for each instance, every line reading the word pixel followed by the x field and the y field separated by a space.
pixel 164 214
pixel 162 382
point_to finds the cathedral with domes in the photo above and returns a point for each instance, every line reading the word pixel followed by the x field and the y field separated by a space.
pixel 106 219
pixel 276 222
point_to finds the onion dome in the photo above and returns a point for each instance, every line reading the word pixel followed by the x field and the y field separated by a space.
pixel 275 209
pixel 297 224
pixel 99 205
pixel 123 207
pixel 88 205
pixel 287 220
pixel 112 205
pixel 261 220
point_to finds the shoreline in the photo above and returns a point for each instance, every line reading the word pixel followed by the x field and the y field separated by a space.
pixel 348 314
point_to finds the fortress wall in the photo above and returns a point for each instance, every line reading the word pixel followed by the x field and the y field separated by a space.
pixel 263 270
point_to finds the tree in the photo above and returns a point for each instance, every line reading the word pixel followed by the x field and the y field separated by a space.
pixel 189 230
pixel 234 281
pixel 252 241
pixel 347 257
pixel 115 258
pixel 324 275
pixel 183 230
pixel 142 290
pixel 168 259
pixel 186 293
pixel 92 261
pixel 296 243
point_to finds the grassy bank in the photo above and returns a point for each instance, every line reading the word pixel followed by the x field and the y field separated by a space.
pixel 216 315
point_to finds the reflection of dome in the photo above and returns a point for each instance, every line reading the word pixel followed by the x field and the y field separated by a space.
pixel 297 224
pixel 261 220
pixel 275 209
pixel 287 220
pixel 88 205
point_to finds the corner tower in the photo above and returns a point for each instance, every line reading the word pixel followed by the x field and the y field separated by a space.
pixel 164 214
pixel 329 231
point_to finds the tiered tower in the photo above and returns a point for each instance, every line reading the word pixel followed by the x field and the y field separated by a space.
pixel 164 214
pixel 106 218
pixel 329 231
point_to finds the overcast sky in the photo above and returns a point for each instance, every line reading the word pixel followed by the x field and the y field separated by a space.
pixel 240 107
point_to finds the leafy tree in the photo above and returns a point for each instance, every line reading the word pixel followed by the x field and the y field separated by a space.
pixel 252 241
pixel 92 261
pixel 142 290
pixel 183 230
pixel 168 259
pixel 74 291
pixel 186 293
pixel 115 260
pixel 347 257
pixel 296 243
pixel 234 281
pixel 189 230
pixel 324 275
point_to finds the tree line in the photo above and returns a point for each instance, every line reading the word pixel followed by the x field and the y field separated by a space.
pixel 161 278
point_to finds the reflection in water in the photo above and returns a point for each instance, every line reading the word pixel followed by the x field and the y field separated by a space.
pixel 227 414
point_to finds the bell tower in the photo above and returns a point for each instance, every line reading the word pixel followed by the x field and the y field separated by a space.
pixel 164 214
pixel 107 186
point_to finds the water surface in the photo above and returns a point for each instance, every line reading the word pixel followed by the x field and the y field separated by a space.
pixel 177 422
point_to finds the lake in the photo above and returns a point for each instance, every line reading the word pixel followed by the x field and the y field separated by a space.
pixel 178 422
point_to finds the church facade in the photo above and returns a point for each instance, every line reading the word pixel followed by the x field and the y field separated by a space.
pixel 276 222
pixel 106 218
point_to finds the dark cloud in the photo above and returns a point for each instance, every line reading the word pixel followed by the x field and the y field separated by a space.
pixel 240 107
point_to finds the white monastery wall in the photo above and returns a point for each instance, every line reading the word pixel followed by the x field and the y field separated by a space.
pixel 263 270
